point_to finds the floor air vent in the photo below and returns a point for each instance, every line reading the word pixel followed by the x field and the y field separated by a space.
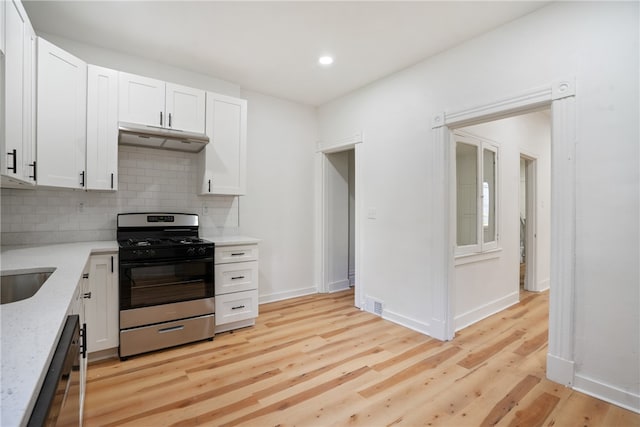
pixel 374 306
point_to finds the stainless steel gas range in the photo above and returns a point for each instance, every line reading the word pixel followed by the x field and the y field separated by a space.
pixel 166 282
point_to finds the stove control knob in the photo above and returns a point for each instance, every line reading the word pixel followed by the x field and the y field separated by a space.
pixel 201 251
pixel 137 253
pixel 151 252
pixel 191 251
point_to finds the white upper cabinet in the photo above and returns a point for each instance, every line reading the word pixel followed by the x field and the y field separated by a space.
pixel 2 26
pixel 185 108
pixel 17 165
pixel 155 103
pixel 141 100
pixel 222 163
pixel 62 117
pixel 102 128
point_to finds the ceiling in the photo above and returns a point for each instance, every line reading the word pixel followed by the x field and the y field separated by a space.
pixel 273 47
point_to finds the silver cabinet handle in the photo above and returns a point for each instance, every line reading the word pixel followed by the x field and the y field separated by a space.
pixel 86 295
pixel 169 119
pixel 160 118
pixel 237 307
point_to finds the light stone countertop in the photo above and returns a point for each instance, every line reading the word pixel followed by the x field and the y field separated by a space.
pixel 30 328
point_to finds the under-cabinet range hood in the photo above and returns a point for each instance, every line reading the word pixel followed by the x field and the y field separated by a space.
pixel 157 137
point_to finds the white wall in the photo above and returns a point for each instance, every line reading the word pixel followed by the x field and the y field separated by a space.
pixel 597 43
pixel 483 287
pixel 279 205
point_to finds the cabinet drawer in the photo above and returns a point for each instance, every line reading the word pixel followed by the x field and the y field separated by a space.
pixel 239 253
pixel 236 277
pixel 235 307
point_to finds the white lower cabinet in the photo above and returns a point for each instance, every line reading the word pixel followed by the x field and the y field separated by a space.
pixel 101 302
pixel 236 284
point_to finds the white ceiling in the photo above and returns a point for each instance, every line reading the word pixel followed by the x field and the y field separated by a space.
pixel 273 47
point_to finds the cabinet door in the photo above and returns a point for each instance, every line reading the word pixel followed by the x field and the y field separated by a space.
pixel 61 121
pixel 102 128
pixel 101 308
pixel 2 34
pixel 185 108
pixel 16 23
pixel 141 100
pixel 223 160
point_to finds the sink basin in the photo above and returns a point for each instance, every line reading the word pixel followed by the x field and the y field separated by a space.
pixel 17 286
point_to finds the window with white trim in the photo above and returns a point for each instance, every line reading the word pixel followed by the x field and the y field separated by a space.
pixel 476 176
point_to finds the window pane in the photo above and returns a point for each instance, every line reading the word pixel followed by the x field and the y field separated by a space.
pixel 467 194
pixel 489 196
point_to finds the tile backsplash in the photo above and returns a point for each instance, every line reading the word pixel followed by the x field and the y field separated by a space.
pixel 148 180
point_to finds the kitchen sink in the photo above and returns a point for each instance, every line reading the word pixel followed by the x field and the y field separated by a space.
pixel 15 286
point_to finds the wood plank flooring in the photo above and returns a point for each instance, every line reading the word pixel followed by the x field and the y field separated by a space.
pixel 318 361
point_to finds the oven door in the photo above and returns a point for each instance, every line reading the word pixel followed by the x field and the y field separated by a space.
pixel 145 284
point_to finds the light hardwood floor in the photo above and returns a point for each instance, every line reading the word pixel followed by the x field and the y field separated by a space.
pixel 318 361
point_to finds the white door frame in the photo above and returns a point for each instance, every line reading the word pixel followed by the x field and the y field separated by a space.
pixel 531 239
pixel 561 96
pixel 354 142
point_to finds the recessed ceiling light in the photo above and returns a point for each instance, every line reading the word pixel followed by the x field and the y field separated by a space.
pixel 325 60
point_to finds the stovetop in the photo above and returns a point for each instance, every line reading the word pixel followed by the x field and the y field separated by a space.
pixel 166 242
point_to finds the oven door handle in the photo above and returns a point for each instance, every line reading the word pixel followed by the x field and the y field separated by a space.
pixel 164 262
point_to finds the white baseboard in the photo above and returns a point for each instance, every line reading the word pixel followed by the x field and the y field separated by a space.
pixel 438 330
pixel 542 285
pixel 352 277
pixel 279 296
pixel 407 322
pixel 472 316
pixel 560 370
pixel 340 285
pixel 607 392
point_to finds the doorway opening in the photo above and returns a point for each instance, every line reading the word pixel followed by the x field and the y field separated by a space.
pixel 495 228
pixel 339 224
pixel 340 220
pixel 528 223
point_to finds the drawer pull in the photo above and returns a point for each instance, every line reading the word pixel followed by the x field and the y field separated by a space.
pixel 238 254
pixel 237 277
pixel 171 329
pixel 237 307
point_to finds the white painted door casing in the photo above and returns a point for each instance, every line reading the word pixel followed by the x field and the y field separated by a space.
pixel 101 308
pixel 222 163
pixel 185 108
pixel 102 128
pixel 61 117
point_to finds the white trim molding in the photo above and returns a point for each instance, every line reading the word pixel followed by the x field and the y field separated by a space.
pixel 607 392
pixel 355 142
pixel 279 296
pixel 472 316
pixel 561 96
pixel 407 322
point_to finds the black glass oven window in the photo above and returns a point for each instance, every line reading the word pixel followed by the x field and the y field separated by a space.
pixel 164 283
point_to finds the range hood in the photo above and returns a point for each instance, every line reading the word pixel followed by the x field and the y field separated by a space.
pixel 162 138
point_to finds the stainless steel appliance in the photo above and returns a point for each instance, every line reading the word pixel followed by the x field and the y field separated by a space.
pixel 58 403
pixel 166 282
